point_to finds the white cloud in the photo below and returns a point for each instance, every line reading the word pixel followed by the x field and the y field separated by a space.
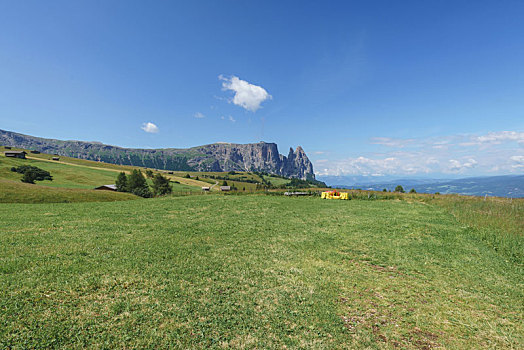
pixel 432 160
pixel 373 167
pixel 199 115
pixel 230 118
pixel 391 142
pixel 456 165
pixel 247 96
pixel 150 128
pixel 501 136
pixel 492 153
pixel 518 162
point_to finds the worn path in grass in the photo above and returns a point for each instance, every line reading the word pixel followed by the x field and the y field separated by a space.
pixel 252 271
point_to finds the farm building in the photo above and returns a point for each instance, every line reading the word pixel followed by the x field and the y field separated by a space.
pixel 106 188
pixel 15 154
pixel 225 188
pixel 205 188
pixel 55 158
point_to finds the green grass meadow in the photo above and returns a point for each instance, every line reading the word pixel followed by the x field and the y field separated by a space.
pixel 64 175
pixel 255 271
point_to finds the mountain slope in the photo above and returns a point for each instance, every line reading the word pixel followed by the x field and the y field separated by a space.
pixel 260 156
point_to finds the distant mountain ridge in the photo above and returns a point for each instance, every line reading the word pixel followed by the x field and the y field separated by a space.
pixel 501 186
pixel 260 156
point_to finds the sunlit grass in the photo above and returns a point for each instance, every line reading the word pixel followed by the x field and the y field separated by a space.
pixel 254 272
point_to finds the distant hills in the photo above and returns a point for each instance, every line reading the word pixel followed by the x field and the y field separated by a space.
pixel 501 186
pixel 262 156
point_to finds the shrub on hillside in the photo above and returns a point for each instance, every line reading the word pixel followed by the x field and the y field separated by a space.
pixel 32 173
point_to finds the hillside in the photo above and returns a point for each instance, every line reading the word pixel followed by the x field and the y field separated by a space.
pixel 259 272
pixel 501 186
pixel 74 180
pixel 80 174
pixel 260 156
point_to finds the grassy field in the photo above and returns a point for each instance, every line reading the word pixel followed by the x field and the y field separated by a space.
pixel 18 192
pixel 256 272
pixel 64 175
pixel 71 174
pixel 499 222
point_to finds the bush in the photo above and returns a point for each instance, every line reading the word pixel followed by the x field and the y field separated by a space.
pixel 412 191
pixel 142 192
pixel 33 173
pixel 29 177
pixel 399 189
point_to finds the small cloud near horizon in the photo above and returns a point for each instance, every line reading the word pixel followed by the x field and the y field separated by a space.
pixel 150 128
pixel 247 96
pixel 199 115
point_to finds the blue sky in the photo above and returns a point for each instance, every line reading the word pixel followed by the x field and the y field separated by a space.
pixel 410 88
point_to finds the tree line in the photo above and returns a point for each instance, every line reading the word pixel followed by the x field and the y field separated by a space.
pixel 136 184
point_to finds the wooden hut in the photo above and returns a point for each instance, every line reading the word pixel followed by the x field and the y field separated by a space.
pixel 15 154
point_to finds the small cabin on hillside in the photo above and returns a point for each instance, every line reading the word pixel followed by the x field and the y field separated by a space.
pixel 15 154
pixel 225 188
pixel 205 188
pixel 106 188
pixel 55 158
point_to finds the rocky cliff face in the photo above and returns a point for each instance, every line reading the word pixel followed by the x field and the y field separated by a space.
pixel 260 156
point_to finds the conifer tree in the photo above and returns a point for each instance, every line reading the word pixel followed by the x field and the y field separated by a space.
pixel 161 185
pixel 137 184
pixel 121 182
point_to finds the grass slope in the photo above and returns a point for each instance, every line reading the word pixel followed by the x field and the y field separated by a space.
pixel 64 175
pixel 18 192
pixel 252 271
pixel 70 173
